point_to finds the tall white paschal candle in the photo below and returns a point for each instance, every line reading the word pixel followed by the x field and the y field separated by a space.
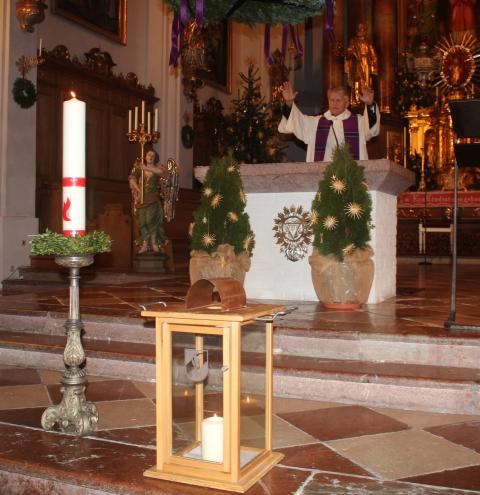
pixel 212 439
pixel 73 211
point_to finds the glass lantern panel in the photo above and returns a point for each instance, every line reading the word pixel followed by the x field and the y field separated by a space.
pixel 197 396
pixel 252 393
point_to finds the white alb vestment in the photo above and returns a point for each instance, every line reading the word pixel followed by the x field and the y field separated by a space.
pixel 305 128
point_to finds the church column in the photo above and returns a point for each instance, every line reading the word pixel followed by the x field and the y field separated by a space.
pixel 384 41
pixel 17 147
pixel 333 75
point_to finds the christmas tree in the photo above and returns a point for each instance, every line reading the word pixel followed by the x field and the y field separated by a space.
pixel 252 127
pixel 341 210
pixel 221 218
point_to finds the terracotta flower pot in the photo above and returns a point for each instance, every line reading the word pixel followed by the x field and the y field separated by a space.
pixel 342 284
pixel 222 263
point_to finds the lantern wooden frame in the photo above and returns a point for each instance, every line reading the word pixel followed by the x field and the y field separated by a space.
pixel 228 324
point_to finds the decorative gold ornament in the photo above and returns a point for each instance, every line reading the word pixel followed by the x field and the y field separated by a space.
pixel 313 218
pixel 231 168
pixel 242 197
pixel 190 228
pixel 208 240
pixel 232 216
pixel 459 64
pixel 216 200
pixel 318 196
pixel 207 192
pixel 204 220
pixel 293 232
pixel 29 13
pixel 248 241
pixel 330 222
pixel 354 210
pixel 338 185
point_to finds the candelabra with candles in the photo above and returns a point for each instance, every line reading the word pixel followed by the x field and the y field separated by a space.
pixel 142 134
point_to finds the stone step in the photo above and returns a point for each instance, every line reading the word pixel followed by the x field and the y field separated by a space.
pixel 379 384
pixel 436 350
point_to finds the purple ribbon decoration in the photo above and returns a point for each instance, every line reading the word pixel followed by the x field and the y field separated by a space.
pixel 329 17
pixel 284 38
pixel 174 51
pixel 266 45
pixel 199 7
pixel 296 41
pixel 183 12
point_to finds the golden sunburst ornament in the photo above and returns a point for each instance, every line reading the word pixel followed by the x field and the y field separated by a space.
pixel 338 185
pixel 190 228
pixel 208 240
pixel 216 200
pixel 231 168
pixel 232 216
pixel 354 210
pixel 313 218
pixel 248 241
pixel 207 192
pixel 330 222
pixel 242 197
pixel 204 220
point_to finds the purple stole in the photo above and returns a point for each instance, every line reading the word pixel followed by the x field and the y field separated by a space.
pixel 350 131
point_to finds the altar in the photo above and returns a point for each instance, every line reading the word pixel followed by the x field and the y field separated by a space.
pixel 270 187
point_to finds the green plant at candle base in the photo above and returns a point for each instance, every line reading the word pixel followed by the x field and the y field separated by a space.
pixel 53 244
pixel 342 209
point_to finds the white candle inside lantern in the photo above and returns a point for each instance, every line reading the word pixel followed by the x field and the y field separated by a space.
pixel 148 122
pixel 40 46
pixel 156 119
pixel 73 212
pixel 143 112
pixel 136 119
pixel 212 439
pixel 129 121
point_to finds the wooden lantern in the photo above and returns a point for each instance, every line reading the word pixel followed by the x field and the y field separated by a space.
pixel 207 432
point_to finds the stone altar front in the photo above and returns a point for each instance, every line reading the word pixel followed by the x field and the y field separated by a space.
pixel 272 186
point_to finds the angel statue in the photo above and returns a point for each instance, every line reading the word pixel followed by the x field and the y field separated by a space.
pixel 150 183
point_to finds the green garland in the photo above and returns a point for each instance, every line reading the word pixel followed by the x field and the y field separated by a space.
pixel 254 12
pixel 50 243
pixel 24 93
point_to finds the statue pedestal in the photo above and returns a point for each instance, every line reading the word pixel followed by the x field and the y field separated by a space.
pixel 150 262
pixel 271 187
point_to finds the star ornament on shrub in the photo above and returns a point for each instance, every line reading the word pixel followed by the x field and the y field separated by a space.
pixel 242 197
pixel 313 218
pixel 207 192
pixel 231 168
pixel 338 185
pixel 216 200
pixel 354 210
pixel 208 240
pixel 348 249
pixel 232 216
pixel 330 222
pixel 248 241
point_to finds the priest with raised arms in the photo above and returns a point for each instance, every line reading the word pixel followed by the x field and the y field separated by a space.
pixel 323 133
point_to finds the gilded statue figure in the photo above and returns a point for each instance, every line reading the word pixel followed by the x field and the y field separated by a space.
pixel 148 206
pixel 360 65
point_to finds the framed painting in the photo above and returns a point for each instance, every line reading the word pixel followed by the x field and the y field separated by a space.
pixel 106 17
pixel 219 37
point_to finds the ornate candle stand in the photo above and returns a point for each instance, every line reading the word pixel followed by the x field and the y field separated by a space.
pixel 74 414
pixel 143 137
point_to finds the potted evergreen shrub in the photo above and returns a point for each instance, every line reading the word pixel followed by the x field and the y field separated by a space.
pixel 221 238
pixel 342 268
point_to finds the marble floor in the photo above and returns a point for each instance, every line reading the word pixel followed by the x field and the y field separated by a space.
pixel 329 448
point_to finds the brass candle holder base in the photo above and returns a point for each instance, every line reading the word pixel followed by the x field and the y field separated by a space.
pixel 74 414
